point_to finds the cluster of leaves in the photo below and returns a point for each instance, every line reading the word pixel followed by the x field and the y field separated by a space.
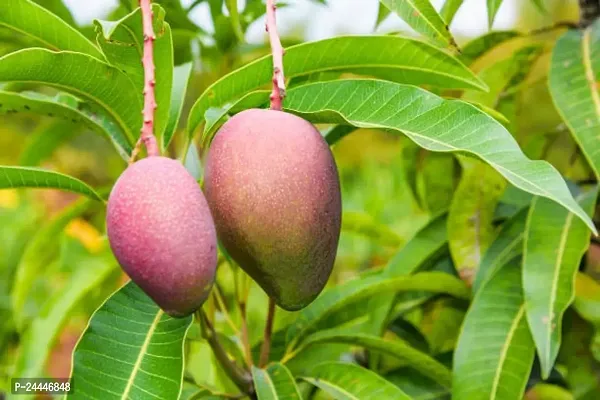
pixel 488 299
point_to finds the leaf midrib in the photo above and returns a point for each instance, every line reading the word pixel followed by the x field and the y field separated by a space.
pixel 559 259
pixel 121 123
pixel 411 4
pixel 140 358
pixel 451 148
pixel 504 352
pixel 331 385
pixel 589 72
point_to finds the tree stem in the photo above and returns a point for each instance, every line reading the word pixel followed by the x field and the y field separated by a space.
pixel 147 132
pixel 244 334
pixel 240 377
pixel 589 10
pixel 278 77
pixel 266 345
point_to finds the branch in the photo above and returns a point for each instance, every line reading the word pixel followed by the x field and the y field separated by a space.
pixel 266 345
pixel 589 10
pixel 241 378
pixel 278 78
pixel 244 334
pixel 147 131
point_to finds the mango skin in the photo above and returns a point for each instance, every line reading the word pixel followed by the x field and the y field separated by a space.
pixel 161 232
pixel 273 188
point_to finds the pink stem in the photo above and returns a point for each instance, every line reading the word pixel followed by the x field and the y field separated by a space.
pixel 147 131
pixel 278 79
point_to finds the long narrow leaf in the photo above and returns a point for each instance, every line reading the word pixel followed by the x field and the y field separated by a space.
pixel 48 30
pixel 39 251
pixel 38 339
pixel 411 61
pixel 495 350
pixel 554 243
pixel 275 383
pixel 434 124
pixel 83 76
pixel 76 113
pixel 28 177
pixel 131 349
pixel 423 18
pixel 181 77
pixel 470 219
pixel 449 10
pixel 352 382
pixel 122 43
pixel 421 362
pixel 506 246
pixel 336 298
pixel 574 71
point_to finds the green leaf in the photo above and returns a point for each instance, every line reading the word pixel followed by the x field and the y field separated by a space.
pixel 492 8
pixel 45 28
pixel 422 17
pixel 131 349
pixel 351 382
pixel 39 338
pixel 382 14
pixel 425 245
pixel 71 110
pixel 337 133
pixel 40 251
pixel 397 348
pixel 214 117
pixel 181 77
pixel 44 140
pixel 574 72
pixel 506 246
pixel 499 76
pixel 122 43
pixel 411 61
pixel 470 220
pixel 541 7
pixel 554 243
pixel 274 383
pixel 477 47
pixel 587 298
pixel 495 350
pixel 449 10
pixel 29 177
pixel 434 124
pixel 336 298
pixel 416 385
pixel 83 76
pixel 364 225
pixel 58 8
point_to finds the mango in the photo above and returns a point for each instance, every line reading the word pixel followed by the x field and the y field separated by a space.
pixel 161 232
pixel 273 188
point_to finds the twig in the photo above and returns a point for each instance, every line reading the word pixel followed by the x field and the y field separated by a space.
pixel 147 131
pixel 278 77
pixel 223 308
pixel 240 377
pixel 266 345
pixel 244 334
pixel 553 27
pixel 589 10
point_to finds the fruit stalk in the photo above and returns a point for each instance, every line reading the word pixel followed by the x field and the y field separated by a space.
pixel 147 132
pixel 240 377
pixel 278 77
pixel 266 345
